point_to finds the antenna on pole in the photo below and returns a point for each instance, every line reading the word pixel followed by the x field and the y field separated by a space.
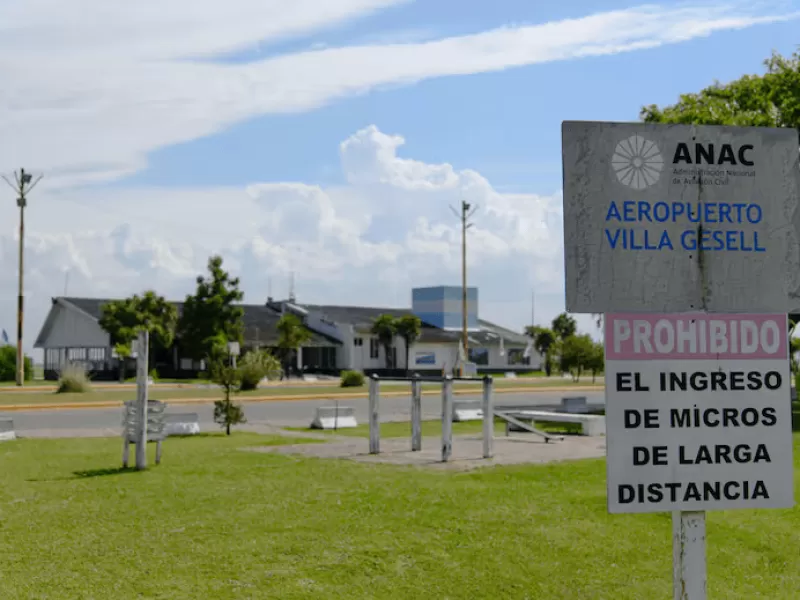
pixel 66 281
pixel 464 215
pixel 291 287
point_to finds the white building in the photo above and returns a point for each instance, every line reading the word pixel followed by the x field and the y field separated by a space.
pixel 341 338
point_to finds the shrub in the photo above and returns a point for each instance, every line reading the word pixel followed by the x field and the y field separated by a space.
pixel 154 375
pixel 352 379
pixel 8 364
pixel 254 366
pixel 73 379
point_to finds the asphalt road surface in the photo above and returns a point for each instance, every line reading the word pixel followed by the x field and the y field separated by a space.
pixel 107 421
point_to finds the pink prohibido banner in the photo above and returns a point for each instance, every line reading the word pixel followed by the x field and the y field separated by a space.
pixel 696 336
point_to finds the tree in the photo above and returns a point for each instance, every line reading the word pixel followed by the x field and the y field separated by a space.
pixel 211 318
pixel 597 361
pixel 292 334
pixel 124 319
pixel 229 378
pixel 544 340
pixel 768 100
pixel 564 326
pixel 576 354
pixel 385 329
pixel 408 327
pixel 8 364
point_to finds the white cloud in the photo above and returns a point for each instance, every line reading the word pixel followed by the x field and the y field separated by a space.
pixel 340 250
pixel 90 87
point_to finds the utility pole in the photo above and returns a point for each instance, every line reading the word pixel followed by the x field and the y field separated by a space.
pixel 466 212
pixel 22 185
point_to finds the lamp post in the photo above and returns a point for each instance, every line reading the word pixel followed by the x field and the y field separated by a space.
pixel 22 185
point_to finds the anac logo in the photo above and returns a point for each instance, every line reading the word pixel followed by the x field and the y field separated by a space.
pixel 637 162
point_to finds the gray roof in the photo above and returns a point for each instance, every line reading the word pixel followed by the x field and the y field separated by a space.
pixel 363 317
pixel 260 322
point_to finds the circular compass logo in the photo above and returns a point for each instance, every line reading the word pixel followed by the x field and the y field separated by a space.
pixel 637 162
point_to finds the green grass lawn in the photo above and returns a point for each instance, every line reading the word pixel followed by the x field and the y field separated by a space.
pixel 215 522
pixel 119 395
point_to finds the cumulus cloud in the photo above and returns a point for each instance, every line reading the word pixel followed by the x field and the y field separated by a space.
pixel 91 87
pixel 338 249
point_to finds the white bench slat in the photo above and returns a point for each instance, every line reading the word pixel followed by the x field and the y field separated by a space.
pixel 592 425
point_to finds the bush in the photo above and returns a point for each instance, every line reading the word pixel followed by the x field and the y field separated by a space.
pixel 8 364
pixel 73 379
pixel 154 375
pixel 352 379
pixel 254 366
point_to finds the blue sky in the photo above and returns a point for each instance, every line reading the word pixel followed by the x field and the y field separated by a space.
pixel 506 125
pixel 328 138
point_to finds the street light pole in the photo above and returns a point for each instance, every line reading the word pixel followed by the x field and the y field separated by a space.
pixel 23 183
pixel 467 210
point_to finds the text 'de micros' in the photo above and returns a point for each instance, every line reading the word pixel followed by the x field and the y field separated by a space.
pixel 696 336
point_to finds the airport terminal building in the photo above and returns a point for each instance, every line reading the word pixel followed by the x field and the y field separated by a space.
pixel 341 338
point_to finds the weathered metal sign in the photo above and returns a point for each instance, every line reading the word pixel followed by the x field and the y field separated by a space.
pixel 673 218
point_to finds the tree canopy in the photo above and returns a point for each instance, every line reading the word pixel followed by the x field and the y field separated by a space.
pixel 408 327
pixel 385 328
pixel 211 317
pixel 768 100
pixel 564 326
pixel 123 319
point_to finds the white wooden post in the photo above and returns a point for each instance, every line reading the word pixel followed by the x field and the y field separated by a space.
pixel 416 414
pixel 689 555
pixel 141 400
pixel 488 417
pixel 374 422
pixel 447 418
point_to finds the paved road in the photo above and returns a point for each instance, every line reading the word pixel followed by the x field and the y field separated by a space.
pixel 106 421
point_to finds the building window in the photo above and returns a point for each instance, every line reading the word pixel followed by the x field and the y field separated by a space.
pixel 479 356
pixel 374 348
pixel 358 342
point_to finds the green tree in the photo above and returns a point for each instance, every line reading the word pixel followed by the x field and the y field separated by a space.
pixel 211 317
pixel 8 364
pixel 124 319
pixel 564 326
pixel 576 354
pixel 292 334
pixel 385 328
pixel 597 361
pixel 544 341
pixel 229 378
pixel 408 327
pixel 768 100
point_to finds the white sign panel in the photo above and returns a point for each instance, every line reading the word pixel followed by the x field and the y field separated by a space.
pixel 698 413
pixel 678 218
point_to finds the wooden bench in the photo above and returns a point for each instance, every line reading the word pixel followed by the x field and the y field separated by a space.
pixel 592 425
pixel 181 424
pixel 334 417
pixel 7 432
pixel 156 430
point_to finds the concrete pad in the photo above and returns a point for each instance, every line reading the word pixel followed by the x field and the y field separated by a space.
pixel 467 451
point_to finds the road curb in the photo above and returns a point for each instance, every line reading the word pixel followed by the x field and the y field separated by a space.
pixel 293 398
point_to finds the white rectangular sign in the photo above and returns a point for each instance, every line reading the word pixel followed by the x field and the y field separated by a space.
pixel 676 218
pixel 698 412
